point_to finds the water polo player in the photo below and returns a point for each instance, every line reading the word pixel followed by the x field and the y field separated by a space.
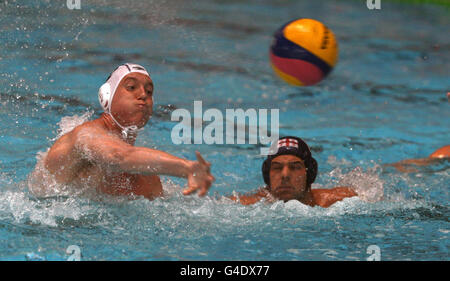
pixel 101 153
pixel 289 174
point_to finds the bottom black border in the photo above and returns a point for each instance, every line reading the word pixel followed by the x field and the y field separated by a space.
pixel 232 270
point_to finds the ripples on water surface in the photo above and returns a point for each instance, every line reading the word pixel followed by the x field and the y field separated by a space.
pixel 384 102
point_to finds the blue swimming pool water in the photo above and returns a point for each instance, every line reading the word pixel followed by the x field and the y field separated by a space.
pixel 384 102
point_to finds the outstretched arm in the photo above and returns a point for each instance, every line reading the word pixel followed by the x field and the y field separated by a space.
pixel 406 165
pixel 107 150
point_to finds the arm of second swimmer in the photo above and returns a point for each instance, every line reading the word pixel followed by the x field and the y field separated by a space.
pixel 443 152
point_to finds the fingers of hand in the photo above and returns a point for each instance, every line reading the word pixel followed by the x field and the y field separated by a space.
pixel 202 180
pixel 207 185
pixel 203 162
pixel 200 158
pixel 203 192
pixel 190 189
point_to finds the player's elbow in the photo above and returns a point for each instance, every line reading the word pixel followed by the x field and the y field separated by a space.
pixel 118 158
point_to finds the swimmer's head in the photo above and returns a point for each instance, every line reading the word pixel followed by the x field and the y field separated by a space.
pixel 290 172
pixel 127 118
pixel 108 89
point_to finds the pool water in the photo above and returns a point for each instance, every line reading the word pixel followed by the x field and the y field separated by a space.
pixel 384 102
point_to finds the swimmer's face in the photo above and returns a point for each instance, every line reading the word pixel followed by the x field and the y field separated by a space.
pixel 287 177
pixel 133 101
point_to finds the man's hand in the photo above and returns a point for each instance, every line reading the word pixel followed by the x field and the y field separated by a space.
pixel 199 177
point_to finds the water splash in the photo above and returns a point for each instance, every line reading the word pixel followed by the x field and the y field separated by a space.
pixel 174 208
pixel 68 123
pixel 23 209
pixel 43 184
pixel 368 185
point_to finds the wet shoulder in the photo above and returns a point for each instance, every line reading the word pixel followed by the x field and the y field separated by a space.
pixel 72 134
pixel 250 198
pixel 88 131
pixel 341 191
pixel 89 127
pixel 327 197
pixel 63 151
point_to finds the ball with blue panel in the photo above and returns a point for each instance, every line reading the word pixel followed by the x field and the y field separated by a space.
pixel 303 52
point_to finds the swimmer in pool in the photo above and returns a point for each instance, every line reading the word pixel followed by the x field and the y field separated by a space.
pixel 101 153
pixel 411 165
pixel 289 174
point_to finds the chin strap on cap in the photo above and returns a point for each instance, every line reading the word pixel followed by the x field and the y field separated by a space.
pixel 108 89
pixel 133 129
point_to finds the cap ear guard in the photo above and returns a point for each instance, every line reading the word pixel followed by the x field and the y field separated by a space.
pixel 312 171
pixel 104 94
pixel 266 170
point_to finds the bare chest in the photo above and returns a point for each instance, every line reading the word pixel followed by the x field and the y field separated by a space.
pixel 113 183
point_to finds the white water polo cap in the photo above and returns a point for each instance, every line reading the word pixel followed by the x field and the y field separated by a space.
pixel 108 89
